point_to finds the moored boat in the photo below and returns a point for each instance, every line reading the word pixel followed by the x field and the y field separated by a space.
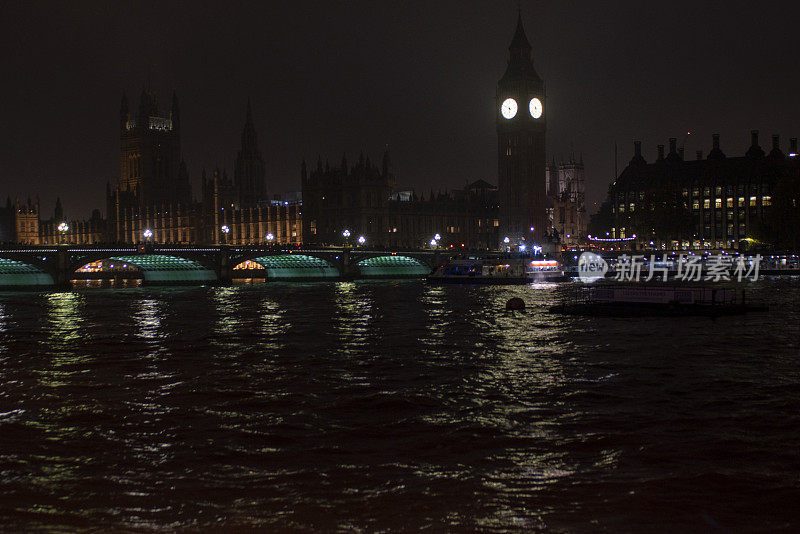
pixel 498 271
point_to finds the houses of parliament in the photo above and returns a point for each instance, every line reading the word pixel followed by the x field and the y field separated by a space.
pixel 152 199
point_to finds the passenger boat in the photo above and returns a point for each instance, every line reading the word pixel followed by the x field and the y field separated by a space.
pixel 498 271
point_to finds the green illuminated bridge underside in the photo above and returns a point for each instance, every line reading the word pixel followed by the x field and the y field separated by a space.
pixel 15 273
pixel 158 268
pixel 291 266
pixel 386 266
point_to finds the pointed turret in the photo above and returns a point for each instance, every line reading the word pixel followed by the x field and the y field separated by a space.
pixel 386 164
pixel 58 213
pixel 175 112
pixel 249 137
pixel 124 113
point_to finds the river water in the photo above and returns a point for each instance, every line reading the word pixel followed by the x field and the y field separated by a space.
pixel 394 405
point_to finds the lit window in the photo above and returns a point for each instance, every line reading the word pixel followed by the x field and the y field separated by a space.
pixel 730 202
pixel 741 202
pixel 718 203
pixel 718 190
pixel 695 204
pixel 622 208
pixel 753 201
pixel 706 203
pixel 632 206
pixel 766 200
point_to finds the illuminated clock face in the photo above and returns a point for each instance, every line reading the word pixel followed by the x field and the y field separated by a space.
pixel 509 108
pixel 536 108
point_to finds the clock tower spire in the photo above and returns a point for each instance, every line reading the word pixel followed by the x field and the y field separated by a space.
pixel 521 128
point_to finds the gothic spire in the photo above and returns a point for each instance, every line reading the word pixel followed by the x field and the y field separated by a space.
pixel 520 61
pixel 249 138
pixel 520 40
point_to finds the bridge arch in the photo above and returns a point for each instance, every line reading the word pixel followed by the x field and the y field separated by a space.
pixel 16 273
pixel 161 268
pixel 393 265
pixel 287 267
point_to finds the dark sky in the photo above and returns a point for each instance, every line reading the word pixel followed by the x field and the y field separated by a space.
pixel 327 77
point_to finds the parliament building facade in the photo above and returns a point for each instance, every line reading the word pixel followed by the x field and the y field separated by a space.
pixel 152 200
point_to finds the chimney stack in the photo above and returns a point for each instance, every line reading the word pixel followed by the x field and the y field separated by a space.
pixel 753 137
pixel 660 151
pixel 673 143
pixel 637 148
pixel 681 152
pixel 699 155
pixel 793 146
pixel 776 142
pixel 715 142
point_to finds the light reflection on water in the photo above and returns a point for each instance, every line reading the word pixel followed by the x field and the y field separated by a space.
pixel 390 406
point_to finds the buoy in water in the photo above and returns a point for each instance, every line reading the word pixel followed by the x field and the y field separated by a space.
pixel 515 303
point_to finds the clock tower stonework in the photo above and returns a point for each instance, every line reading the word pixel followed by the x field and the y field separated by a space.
pixel 521 126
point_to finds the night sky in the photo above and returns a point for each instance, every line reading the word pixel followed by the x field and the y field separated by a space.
pixel 331 77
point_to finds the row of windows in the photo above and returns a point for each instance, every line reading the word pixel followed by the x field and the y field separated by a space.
pixel 741 202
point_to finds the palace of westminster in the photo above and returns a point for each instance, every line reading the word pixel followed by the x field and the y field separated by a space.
pixel 534 202
pixel 152 199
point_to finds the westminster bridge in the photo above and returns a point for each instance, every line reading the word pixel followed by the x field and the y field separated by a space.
pixel 58 266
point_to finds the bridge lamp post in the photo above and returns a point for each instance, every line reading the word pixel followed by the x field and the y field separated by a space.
pixel 434 243
pixel 361 240
pixel 346 235
pixel 437 237
pixel 148 234
pixel 226 231
pixel 270 238
pixel 63 228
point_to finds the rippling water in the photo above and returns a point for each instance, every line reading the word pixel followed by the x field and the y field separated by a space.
pixel 375 406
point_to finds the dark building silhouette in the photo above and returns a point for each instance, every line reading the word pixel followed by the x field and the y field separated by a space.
pixel 249 171
pixel 353 198
pixel 151 169
pixel 521 128
pixel 719 202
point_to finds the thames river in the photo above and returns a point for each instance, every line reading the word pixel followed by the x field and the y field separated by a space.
pixel 393 406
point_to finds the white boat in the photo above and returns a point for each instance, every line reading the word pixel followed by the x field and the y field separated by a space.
pixel 498 271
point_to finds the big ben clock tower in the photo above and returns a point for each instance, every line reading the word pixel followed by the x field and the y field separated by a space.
pixel 521 126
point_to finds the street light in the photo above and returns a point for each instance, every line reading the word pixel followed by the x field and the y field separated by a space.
pixel 148 233
pixel 434 243
pixel 437 237
pixel 506 240
pixel 63 228
pixel 225 230
pixel 361 240
pixel 346 234
pixel 270 237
